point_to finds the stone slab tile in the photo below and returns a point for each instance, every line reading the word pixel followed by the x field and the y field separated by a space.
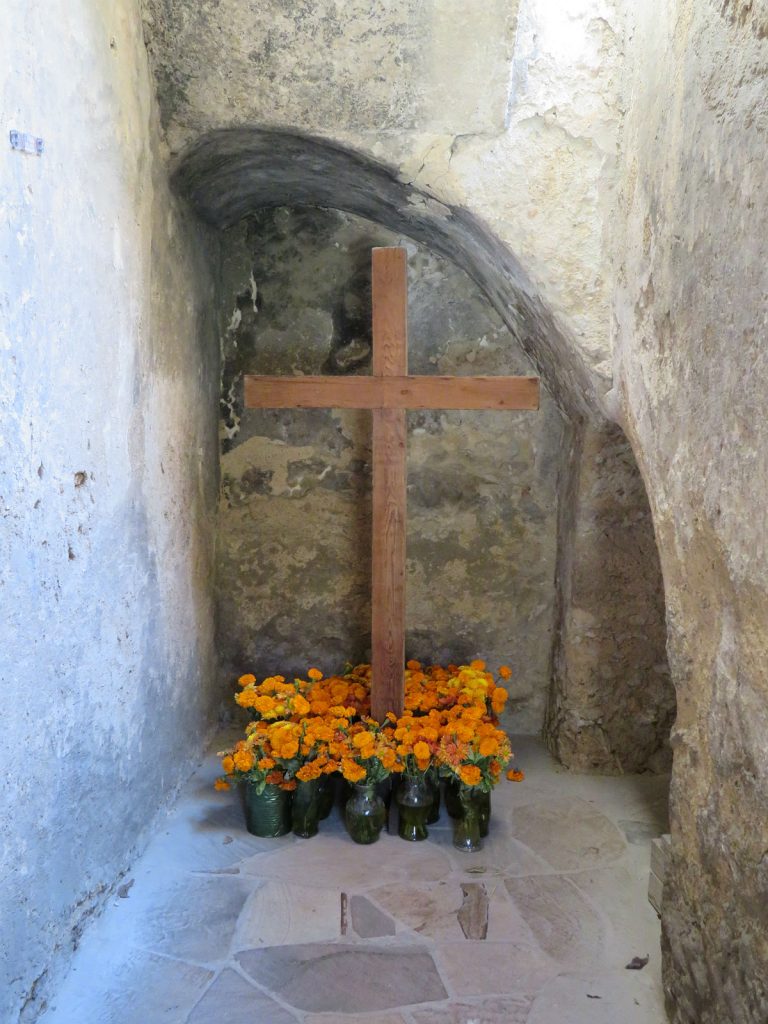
pixel 509 1010
pixel 142 988
pixel 194 919
pixel 429 909
pixel 501 853
pixel 208 833
pixel 568 835
pixel 473 915
pixel 368 921
pixel 493 968
pixel 231 1000
pixel 562 921
pixel 333 861
pixel 632 926
pixel 323 977
pixel 280 913
pixel 611 998
pixel 639 833
pixel 368 1018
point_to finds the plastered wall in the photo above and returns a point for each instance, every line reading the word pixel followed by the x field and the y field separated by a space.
pixel 108 381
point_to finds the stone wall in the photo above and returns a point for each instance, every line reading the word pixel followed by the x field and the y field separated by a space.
pixel 612 703
pixel 693 378
pixel 108 377
pixel 294 520
pixel 510 110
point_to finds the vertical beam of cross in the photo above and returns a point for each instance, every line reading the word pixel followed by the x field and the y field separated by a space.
pixel 390 359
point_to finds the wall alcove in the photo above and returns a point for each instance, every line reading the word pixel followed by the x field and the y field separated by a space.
pixel 530 542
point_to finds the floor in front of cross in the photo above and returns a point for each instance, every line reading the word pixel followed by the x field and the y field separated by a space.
pixel 220 927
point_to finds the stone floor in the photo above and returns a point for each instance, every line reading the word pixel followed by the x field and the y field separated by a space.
pixel 214 926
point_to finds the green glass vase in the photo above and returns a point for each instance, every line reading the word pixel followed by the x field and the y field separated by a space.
pixel 365 814
pixel 306 808
pixel 414 802
pixel 327 795
pixel 484 800
pixel 433 781
pixel 267 814
pixel 452 802
pixel 466 828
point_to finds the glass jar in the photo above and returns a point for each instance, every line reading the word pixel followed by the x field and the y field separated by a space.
pixel 327 795
pixel 267 814
pixel 306 808
pixel 365 814
pixel 452 802
pixel 433 780
pixel 466 828
pixel 414 802
pixel 484 800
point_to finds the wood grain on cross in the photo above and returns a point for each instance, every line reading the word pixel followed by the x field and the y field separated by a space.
pixel 389 392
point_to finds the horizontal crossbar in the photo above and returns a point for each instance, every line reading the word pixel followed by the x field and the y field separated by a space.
pixel 391 392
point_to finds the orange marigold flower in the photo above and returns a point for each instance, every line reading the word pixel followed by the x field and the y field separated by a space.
pixel 244 760
pixel 315 674
pixel 301 705
pixel 265 764
pixel 414 666
pixel 478 664
pixel 247 679
pixel 514 775
pixel 421 751
pixel 310 770
pixel 352 771
pixel 228 764
pixel 221 784
pixel 505 672
pixel 470 774
pixel 488 746
pixel 499 698
pixel 387 758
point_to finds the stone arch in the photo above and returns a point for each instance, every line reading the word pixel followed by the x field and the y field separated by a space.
pixel 611 703
pixel 233 170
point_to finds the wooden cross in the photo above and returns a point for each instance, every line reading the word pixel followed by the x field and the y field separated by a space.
pixel 389 392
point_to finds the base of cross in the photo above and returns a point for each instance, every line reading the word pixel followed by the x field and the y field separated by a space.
pixel 389 392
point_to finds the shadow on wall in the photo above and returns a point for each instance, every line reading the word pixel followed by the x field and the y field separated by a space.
pixel 611 700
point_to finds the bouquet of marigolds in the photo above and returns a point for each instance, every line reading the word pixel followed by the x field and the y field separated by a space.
pixel 472 750
pixel 259 760
pixel 367 754
pixel 273 698
pixel 305 731
pixel 367 757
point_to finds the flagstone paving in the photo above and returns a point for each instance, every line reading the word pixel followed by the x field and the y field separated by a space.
pixel 219 927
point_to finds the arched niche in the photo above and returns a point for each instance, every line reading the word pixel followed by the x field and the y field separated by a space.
pixel 610 701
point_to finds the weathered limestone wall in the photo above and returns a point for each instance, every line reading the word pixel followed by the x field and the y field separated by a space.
pixel 294 520
pixel 612 703
pixel 693 378
pixel 108 378
pixel 509 110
